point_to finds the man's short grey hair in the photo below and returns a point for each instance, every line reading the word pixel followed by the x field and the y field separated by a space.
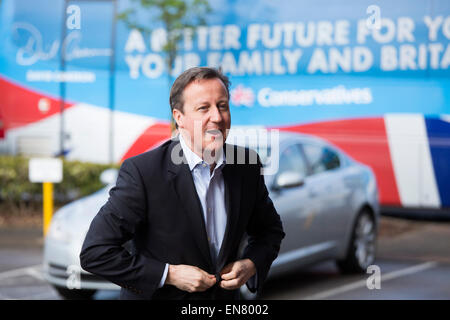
pixel 190 75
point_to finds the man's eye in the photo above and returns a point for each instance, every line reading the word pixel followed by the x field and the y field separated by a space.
pixel 203 108
pixel 223 106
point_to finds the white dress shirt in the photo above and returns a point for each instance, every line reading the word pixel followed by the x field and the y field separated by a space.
pixel 210 189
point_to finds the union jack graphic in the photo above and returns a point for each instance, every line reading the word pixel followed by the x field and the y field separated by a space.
pixel 242 96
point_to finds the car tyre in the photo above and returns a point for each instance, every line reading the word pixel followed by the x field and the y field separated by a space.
pixel 361 249
pixel 247 294
pixel 75 294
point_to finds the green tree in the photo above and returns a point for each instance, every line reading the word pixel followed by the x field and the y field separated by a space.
pixel 175 16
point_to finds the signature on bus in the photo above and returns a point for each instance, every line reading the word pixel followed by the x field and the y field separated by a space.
pixel 34 50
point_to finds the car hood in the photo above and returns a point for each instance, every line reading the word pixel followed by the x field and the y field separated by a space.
pixel 77 215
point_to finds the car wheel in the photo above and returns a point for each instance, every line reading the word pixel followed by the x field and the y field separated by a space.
pixel 361 250
pixel 247 294
pixel 75 294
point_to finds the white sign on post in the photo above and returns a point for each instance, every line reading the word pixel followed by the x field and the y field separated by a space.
pixel 45 170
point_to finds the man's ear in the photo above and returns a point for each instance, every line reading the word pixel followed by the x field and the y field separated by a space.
pixel 178 117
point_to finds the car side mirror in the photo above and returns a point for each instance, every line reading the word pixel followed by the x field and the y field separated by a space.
pixel 289 179
pixel 108 176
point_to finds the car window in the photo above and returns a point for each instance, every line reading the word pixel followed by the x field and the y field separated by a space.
pixel 321 158
pixel 291 159
pixel 330 159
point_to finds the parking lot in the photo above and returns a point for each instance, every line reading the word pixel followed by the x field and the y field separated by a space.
pixel 413 258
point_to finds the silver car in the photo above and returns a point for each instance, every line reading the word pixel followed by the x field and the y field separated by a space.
pixel 327 201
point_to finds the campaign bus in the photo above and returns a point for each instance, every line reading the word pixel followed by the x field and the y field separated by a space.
pixel 371 77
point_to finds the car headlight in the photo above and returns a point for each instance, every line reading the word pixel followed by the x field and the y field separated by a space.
pixel 58 230
pixel 372 185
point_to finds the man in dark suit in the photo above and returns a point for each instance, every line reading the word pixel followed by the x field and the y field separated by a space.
pixel 186 207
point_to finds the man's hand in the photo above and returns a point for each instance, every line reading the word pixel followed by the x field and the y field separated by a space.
pixel 189 278
pixel 237 273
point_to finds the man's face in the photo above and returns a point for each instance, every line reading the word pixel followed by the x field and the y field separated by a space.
pixel 205 119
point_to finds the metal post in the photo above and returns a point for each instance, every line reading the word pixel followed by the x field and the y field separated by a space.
pixel 62 82
pixel 112 66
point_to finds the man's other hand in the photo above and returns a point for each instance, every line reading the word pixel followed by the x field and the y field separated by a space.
pixel 189 278
pixel 237 273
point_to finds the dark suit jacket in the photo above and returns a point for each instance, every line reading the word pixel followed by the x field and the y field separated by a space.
pixel 155 204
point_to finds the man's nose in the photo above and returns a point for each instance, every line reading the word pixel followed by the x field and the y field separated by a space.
pixel 215 116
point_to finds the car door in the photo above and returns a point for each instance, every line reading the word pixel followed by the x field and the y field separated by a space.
pixel 292 203
pixel 328 192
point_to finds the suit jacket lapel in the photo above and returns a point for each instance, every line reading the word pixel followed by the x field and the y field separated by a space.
pixel 183 183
